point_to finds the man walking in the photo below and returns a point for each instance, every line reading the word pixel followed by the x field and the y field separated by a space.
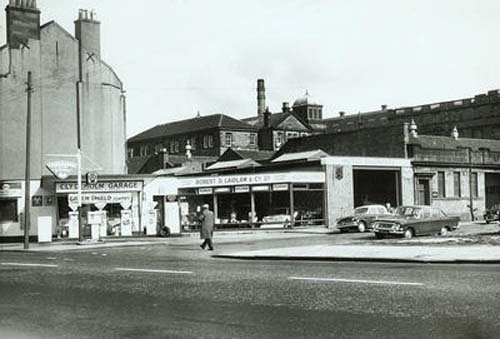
pixel 207 227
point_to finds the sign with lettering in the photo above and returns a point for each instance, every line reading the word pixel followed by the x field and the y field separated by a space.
pixel 9 189
pixel 242 189
pixel 102 186
pixel 253 179
pixel 101 198
pixel 280 187
pixel 62 169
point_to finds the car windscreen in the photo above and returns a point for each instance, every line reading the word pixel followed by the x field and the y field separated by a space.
pixel 361 210
pixel 408 211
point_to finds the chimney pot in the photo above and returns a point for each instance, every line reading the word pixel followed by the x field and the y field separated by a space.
pixel 341 114
pixel 286 107
pixel 384 108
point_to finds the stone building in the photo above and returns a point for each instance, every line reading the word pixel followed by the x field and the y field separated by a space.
pixel 477 117
pixel 75 94
pixel 275 129
pixel 206 138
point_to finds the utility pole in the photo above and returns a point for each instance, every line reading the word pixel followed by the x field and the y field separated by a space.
pixel 471 189
pixel 27 178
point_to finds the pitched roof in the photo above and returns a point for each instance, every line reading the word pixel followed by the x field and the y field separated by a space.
pixel 193 125
pixel 301 156
pixel 242 163
pixel 275 119
pixel 232 154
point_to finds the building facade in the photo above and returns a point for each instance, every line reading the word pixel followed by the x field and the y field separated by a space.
pixel 77 100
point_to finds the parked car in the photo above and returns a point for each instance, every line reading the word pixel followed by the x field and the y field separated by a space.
pixel 409 221
pixel 362 218
pixel 492 214
pixel 278 217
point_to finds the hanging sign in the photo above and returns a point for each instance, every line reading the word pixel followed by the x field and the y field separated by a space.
pixel 61 169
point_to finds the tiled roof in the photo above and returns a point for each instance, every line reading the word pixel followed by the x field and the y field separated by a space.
pixel 193 125
pixel 232 154
pixel 137 163
pixel 274 121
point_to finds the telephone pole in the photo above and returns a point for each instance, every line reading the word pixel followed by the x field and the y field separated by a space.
pixel 27 179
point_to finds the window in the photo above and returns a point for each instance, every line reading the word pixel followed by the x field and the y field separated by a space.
pixel 130 152
pixel 474 185
pixel 208 141
pixel 176 146
pixel 441 185
pixel 172 147
pixel 457 189
pixel 253 139
pixel 279 140
pixel 158 147
pixel 193 143
pixel 229 139
pixel 8 211
pixel 144 150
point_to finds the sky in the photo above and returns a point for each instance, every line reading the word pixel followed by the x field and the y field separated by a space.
pixel 180 57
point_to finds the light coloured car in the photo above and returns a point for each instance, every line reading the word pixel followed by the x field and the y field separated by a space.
pixel 278 218
pixel 362 218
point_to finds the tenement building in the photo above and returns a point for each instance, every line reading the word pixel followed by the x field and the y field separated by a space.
pixel 77 100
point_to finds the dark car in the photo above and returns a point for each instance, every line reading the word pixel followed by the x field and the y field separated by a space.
pixel 492 214
pixel 362 218
pixel 409 221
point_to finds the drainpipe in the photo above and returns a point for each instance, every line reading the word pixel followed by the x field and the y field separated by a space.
pixel 6 75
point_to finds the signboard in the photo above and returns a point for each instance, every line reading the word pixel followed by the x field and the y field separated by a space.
pixel 205 191
pixel 125 199
pixel 102 186
pixel 280 187
pixel 253 179
pixel 62 169
pixel 126 223
pixel 44 229
pixel 73 225
pixel 37 201
pixel 223 190
pixel 260 188
pixel 242 189
pixel 9 189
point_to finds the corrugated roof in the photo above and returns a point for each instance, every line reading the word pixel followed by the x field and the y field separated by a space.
pixel 193 125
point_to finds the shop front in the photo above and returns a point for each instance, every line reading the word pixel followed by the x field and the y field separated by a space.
pixel 110 207
pixel 254 200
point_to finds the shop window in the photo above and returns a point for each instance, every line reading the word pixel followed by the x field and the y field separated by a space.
pixel 253 139
pixel 130 152
pixel 474 185
pixel 8 211
pixel 441 185
pixel 144 150
pixel 228 139
pixel 158 147
pixel 193 143
pixel 457 189
pixel 176 146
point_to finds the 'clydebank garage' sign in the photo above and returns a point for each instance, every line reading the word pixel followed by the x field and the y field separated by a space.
pixel 102 186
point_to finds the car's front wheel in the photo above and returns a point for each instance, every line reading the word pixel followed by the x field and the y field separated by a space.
pixel 408 234
pixel 361 226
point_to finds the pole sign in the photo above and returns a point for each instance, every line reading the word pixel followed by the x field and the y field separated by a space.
pixel 61 169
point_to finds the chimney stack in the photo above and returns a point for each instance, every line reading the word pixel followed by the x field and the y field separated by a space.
pixel 23 22
pixel 267 118
pixel 88 33
pixel 286 107
pixel 342 114
pixel 261 97
pixel 384 108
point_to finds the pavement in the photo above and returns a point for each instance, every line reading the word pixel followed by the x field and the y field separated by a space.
pixel 472 243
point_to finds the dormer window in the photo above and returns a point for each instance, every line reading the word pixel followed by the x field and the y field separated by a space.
pixel 229 139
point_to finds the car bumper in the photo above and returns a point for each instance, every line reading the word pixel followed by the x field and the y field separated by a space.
pixel 390 232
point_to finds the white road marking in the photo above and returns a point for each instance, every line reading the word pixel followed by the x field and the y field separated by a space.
pixel 151 271
pixel 378 282
pixel 27 265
